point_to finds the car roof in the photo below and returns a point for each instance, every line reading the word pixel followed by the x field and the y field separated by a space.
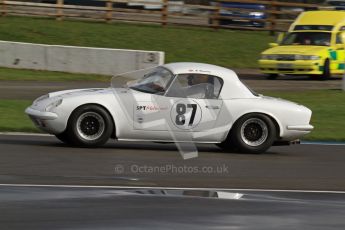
pixel 331 18
pixel 234 87
pixel 200 68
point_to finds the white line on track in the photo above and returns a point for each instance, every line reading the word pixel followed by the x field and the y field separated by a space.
pixel 25 134
pixel 322 143
pixel 167 188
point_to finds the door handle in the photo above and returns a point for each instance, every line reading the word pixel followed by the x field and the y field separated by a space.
pixel 212 107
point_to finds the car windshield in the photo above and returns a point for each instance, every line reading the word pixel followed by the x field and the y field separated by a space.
pixel 307 38
pixel 153 80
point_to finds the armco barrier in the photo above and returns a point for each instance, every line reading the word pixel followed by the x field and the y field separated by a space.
pixel 76 59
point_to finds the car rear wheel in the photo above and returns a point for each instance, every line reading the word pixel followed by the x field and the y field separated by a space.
pixel 252 133
pixel 90 126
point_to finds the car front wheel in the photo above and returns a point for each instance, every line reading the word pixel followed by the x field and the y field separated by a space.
pixel 89 126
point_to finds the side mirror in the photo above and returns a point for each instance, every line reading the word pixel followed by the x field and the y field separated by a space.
pixel 273 44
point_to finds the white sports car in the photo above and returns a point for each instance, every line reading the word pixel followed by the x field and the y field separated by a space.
pixel 177 102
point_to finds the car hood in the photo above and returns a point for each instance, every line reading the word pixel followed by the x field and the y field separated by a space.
pixel 91 92
pixel 66 94
pixel 309 50
pixel 79 92
pixel 43 101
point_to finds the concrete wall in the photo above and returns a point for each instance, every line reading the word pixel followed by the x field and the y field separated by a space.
pixel 76 59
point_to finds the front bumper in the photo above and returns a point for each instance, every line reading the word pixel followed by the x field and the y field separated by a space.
pixel 40 114
pixel 46 121
pixel 298 67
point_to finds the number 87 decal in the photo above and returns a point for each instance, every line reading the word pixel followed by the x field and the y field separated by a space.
pixel 186 115
pixel 181 111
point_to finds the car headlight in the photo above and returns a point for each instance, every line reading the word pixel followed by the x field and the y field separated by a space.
pixel 41 98
pixel 53 105
pixel 269 57
pixel 307 57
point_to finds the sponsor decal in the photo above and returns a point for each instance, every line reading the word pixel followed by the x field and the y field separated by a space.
pixel 341 66
pixel 150 108
pixel 332 54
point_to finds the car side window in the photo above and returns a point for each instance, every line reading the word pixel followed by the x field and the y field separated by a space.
pixel 198 86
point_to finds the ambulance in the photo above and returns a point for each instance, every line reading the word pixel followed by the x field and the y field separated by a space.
pixel 313 46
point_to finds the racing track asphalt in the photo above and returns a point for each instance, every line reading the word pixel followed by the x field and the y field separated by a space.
pixel 44 160
pixel 102 188
pixel 99 208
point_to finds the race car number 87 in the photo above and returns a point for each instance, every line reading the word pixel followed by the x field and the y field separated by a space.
pixel 181 110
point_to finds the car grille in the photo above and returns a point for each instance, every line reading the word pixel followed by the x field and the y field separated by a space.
pixel 286 57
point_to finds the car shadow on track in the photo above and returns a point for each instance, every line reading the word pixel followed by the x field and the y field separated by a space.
pixel 151 146
pixel 110 145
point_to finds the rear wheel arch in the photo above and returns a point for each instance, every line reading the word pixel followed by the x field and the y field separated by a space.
pixel 274 120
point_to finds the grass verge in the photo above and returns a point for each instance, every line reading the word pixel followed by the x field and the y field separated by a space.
pixel 13 118
pixel 327 105
pixel 229 48
pixel 328 112
pixel 33 75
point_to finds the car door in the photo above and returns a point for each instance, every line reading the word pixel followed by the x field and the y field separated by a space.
pixel 190 104
pixel 194 101
pixel 139 106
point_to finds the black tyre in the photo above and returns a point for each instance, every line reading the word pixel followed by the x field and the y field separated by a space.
pixel 63 137
pixel 89 126
pixel 272 76
pixel 252 133
pixel 326 74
